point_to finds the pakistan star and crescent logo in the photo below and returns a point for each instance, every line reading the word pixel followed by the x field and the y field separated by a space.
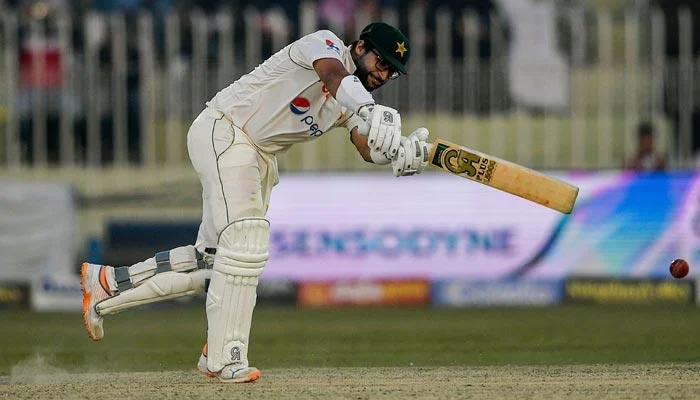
pixel 401 48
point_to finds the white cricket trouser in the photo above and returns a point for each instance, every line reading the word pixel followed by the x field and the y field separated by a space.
pixel 236 178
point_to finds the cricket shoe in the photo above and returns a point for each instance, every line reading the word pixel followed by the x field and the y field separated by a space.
pixel 93 282
pixel 231 373
pixel 202 364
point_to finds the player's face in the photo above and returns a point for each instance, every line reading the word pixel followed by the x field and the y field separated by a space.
pixel 372 70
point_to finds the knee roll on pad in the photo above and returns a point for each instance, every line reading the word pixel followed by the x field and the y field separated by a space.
pixel 243 246
pixel 241 256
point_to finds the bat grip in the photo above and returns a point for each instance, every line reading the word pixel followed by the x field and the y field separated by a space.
pixel 430 149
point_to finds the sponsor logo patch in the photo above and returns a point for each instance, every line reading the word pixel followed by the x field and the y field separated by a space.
pixel 300 105
pixel 332 46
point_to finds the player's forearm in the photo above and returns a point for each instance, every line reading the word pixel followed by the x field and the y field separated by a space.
pixel 344 87
pixel 331 72
pixel 360 143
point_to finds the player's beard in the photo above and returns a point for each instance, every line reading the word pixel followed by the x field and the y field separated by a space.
pixel 362 72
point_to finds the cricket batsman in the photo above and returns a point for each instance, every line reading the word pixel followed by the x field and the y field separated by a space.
pixel 312 85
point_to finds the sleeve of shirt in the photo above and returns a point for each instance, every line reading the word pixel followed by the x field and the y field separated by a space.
pixel 315 46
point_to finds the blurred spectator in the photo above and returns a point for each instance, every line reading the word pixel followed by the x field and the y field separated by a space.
pixel 670 10
pixel 489 21
pixel 488 14
pixel 41 65
pixel 277 20
pixel 647 158
pixel 337 15
pixel 538 72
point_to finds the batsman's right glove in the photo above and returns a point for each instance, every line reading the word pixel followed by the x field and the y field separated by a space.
pixel 384 136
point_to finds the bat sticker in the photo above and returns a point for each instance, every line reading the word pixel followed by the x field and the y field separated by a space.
pixel 463 163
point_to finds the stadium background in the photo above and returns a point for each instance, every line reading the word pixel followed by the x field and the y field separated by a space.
pixel 96 98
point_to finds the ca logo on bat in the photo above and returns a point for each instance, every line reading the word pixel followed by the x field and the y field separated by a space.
pixel 463 163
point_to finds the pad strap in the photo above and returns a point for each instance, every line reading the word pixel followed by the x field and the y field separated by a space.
pixel 163 262
pixel 201 264
pixel 121 275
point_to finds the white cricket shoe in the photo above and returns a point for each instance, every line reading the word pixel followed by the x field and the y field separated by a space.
pixel 238 374
pixel 93 281
pixel 202 364
pixel 230 373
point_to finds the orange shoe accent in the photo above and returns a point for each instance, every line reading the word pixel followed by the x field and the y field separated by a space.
pixel 251 377
pixel 103 280
pixel 86 294
pixel 254 376
pixel 86 299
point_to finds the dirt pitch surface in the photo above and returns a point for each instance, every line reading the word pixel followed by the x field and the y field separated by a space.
pixel 642 381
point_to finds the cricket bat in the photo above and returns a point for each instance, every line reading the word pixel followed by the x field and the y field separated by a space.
pixel 503 175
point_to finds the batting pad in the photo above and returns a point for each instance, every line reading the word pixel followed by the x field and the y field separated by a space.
pixel 168 275
pixel 163 286
pixel 241 255
pixel 179 259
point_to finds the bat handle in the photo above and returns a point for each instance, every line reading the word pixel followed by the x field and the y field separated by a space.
pixel 430 150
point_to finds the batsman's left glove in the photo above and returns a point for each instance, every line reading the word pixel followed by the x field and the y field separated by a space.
pixel 412 156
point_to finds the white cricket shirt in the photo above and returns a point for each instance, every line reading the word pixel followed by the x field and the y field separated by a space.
pixel 283 101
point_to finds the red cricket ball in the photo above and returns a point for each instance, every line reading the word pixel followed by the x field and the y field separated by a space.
pixel 679 268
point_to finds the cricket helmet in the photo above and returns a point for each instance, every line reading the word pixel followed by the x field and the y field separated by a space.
pixel 389 42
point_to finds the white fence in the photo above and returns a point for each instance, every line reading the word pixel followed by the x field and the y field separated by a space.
pixel 553 88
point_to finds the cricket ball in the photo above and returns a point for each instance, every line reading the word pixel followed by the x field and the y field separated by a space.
pixel 679 268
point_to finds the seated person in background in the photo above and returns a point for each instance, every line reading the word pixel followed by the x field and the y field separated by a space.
pixel 647 158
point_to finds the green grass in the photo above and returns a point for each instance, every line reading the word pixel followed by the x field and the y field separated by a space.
pixel 170 338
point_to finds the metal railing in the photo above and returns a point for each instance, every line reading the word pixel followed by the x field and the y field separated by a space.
pixel 121 90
